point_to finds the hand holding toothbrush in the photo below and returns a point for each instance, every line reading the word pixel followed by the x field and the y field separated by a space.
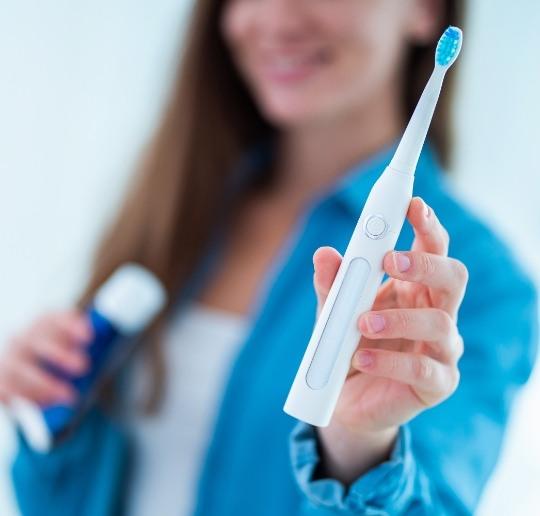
pixel 406 360
pixel 409 321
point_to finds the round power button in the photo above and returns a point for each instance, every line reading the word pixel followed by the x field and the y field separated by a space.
pixel 375 226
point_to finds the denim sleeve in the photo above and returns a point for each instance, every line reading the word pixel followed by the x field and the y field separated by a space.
pixel 82 475
pixel 443 458
pixel 387 488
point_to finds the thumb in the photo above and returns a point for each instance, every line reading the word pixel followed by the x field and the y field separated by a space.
pixel 326 262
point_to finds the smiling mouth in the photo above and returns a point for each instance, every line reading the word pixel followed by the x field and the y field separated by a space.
pixel 290 69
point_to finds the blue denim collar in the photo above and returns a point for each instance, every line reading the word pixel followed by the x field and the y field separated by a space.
pixel 350 191
pixel 353 186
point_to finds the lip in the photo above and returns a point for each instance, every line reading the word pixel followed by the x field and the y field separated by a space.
pixel 290 69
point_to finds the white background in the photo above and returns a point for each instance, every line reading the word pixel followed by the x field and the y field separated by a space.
pixel 81 88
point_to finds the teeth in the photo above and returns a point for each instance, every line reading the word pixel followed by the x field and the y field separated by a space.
pixel 287 64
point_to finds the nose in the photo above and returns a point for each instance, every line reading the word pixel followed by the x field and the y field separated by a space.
pixel 284 20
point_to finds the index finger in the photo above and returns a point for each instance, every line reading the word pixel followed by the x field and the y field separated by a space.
pixel 430 235
pixel 71 324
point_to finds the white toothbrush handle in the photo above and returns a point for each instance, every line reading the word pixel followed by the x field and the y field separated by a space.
pixel 326 362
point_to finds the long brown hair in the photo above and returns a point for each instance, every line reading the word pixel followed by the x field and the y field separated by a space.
pixel 211 119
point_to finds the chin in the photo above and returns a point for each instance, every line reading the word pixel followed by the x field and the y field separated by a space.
pixel 292 112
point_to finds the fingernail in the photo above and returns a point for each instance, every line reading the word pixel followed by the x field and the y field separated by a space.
pixel 82 365
pixel 402 262
pixel 89 337
pixel 427 210
pixel 67 397
pixel 375 323
pixel 364 359
pixel 85 332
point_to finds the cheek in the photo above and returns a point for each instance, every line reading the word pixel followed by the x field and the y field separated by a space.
pixel 237 25
pixel 368 49
pixel 351 66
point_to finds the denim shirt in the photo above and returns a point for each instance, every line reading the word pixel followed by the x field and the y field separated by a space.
pixel 260 461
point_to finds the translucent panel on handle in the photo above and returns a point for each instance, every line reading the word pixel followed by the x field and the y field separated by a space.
pixel 337 325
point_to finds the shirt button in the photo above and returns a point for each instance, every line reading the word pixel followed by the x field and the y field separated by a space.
pixel 375 227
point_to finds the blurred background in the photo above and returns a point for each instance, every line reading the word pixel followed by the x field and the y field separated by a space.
pixel 82 86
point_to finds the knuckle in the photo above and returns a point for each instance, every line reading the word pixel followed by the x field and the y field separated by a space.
pixel 461 272
pixel 76 362
pixel 457 347
pixel 444 323
pixel 427 265
pixel 55 357
pixel 60 356
pixel 460 346
pixel 445 235
pixel 453 380
pixel 402 319
pixel 456 377
pixel 422 369
pixel 393 363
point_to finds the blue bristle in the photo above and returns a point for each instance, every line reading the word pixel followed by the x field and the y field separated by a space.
pixel 448 46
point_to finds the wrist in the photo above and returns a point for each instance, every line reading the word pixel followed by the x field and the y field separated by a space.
pixel 346 455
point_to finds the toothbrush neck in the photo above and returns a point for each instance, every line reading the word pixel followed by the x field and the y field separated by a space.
pixel 408 152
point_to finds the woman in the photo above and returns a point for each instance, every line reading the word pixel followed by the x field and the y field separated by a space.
pixel 284 114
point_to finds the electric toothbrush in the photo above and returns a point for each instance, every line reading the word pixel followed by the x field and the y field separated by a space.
pixel 326 362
